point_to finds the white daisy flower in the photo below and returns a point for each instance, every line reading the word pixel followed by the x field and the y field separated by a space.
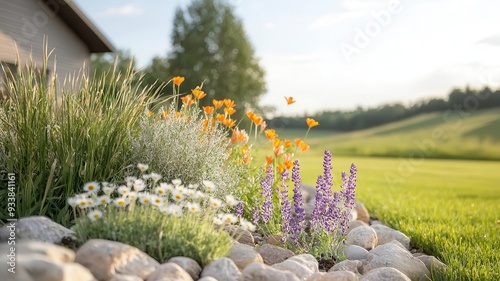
pixel 231 201
pixel 160 190
pixel 104 199
pixel 142 167
pixel 199 194
pixel 177 182
pixel 108 189
pixel 218 220
pixel 190 192
pixel 230 218
pixel 104 184
pixel 209 186
pixel 145 199
pixel 121 202
pixel 193 207
pixel 165 210
pixel 177 196
pixel 73 201
pixel 94 215
pixel 214 202
pixel 139 185
pixel 247 225
pixel 146 176
pixel 132 195
pixel 130 181
pixel 168 187
pixel 92 187
pixel 156 200
pixel 175 210
pixel 155 177
pixel 123 190
pixel 90 203
pixel 181 189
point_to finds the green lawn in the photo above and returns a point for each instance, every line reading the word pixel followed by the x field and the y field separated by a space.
pixel 450 208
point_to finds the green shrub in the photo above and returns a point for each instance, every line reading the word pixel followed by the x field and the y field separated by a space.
pixel 193 235
pixel 57 137
pixel 179 147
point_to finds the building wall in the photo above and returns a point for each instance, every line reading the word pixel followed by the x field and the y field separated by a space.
pixel 24 27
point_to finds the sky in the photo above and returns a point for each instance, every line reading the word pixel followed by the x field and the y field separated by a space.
pixel 336 54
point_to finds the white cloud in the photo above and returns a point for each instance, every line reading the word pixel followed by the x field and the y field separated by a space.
pixel 329 20
pixel 491 40
pixel 127 10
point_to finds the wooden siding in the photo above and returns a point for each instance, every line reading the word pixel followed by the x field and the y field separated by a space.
pixel 25 24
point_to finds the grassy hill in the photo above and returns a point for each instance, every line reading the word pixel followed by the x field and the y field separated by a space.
pixel 469 135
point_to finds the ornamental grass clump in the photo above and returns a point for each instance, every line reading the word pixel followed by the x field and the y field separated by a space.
pixel 57 137
pixel 163 219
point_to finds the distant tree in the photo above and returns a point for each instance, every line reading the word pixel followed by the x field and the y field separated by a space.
pixel 209 45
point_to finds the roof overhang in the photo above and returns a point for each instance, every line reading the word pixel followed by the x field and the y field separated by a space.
pixel 81 25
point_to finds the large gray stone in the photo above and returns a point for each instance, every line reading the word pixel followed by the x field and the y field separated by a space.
pixel 240 234
pixel 303 266
pixel 385 274
pixel 273 254
pixel 363 236
pixel 37 228
pixel 222 269
pixel 386 234
pixel 243 255
pixel 106 258
pixel 189 265
pixel 354 252
pixel 41 268
pixel 395 256
pixel 334 276
pixel 432 263
pixel 356 223
pixel 354 266
pixel 363 214
pixel 169 272
pixel 262 272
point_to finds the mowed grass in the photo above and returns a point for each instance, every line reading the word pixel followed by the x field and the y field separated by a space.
pixel 459 135
pixel 449 208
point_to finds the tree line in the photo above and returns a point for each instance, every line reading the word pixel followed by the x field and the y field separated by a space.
pixel 363 118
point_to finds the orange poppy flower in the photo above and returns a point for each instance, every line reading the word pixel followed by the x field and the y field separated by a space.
pixel 278 151
pixel 178 80
pixel 251 115
pixel 218 103
pixel 271 134
pixel 276 143
pixel 269 160
pixel 187 100
pixel 288 143
pixel 239 136
pixel 311 122
pixel 229 122
pixel 258 120
pixel 220 117
pixel 300 143
pixel 281 168
pixel 229 110
pixel 289 100
pixel 263 126
pixel 228 102
pixel 199 94
pixel 208 109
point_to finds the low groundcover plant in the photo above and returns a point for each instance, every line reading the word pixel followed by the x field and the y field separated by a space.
pixel 162 219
